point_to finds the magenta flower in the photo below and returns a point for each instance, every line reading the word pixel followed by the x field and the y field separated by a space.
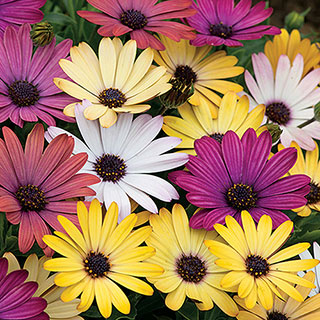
pixel 34 184
pixel 140 16
pixel 219 22
pixel 236 175
pixel 16 301
pixel 17 12
pixel 26 86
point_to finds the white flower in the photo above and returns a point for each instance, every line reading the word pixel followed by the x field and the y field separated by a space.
pixel 123 156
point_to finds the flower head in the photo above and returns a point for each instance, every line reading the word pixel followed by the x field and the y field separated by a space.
pixel 219 22
pixel 33 184
pixel 100 256
pixel 140 19
pixel 256 266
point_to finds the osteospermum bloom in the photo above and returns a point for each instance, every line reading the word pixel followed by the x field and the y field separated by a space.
pixel 138 17
pixel 16 296
pixel 33 184
pixel 189 268
pixel 197 121
pixel 26 85
pixel 189 65
pixel 287 96
pixel 115 83
pixel 236 175
pixel 101 256
pixel 256 266
pixel 219 22
pixel 123 156
pixel 56 309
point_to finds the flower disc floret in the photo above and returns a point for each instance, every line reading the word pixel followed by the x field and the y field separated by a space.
pixel 185 75
pixel 133 19
pixel 31 198
pixel 221 30
pixel 275 315
pixel 278 112
pixel 97 264
pixel 257 266
pixel 23 93
pixel 191 268
pixel 314 195
pixel 241 197
pixel 112 98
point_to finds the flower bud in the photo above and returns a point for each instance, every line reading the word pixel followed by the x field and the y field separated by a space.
pixel 295 20
pixel 42 33
pixel 275 131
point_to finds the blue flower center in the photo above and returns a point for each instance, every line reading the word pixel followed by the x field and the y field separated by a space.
pixel 278 112
pixel 112 98
pixel 241 197
pixel 133 19
pixel 97 264
pixel 275 315
pixel 257 266
pixel 31 198
pixel 191 268
pixel 314 195
pixel 110 167
pixel 221 30
pixel 23 93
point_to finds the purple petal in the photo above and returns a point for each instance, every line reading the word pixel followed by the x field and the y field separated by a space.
pixel 3 268
pixel 196 221
pixel 207 200
pixel 217 216
pixel 282 201
pixel 277 216
pixel 13 279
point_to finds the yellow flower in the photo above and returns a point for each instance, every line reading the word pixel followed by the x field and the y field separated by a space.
pixel 101 256
pixel 286 309
pixel 191 66
pixel 233 114
pixel 190 270
pixel 56 309
pixel 113 83
pixel 256 265
pixel 291 45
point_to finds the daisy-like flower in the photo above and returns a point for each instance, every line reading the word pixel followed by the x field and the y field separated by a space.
pixel 189 267
pixel 26 84
pixel 255 265
pixel 236 175
pixel 284 309
pixel 197 121
pixel 115 83
pixel 219 22
pixel 138 17
pixel 287 96
pixel 16 299
pixel 290 45
pixel 17 12
pixel 189 65
pixel 33 184
pixel 123 156
pixel 101 256
pixel 56 309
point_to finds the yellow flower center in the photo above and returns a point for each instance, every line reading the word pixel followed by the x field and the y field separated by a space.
pixel 241 197
pixel 275 315
pixel 314 195
pixel 191 268
pixel 112 98
pixel 278 112
pixel 23 93
pixel 31 198
pixel 133 19
pixel 97 264
pixel 257 266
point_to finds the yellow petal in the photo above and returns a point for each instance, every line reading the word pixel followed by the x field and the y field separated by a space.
pixel 139 269
pixel 264 294
pixel 103 296
pixel 108 62
pixel 226 111
pixel 222 250
pixel 63 264
pixel 175 299
pixel 250 231
pixel 292 278
pixel 65 279
pixel 133 255
pixel 246 286
pixel 251 298
pixel 295 265
pixel 289 252
pixel 95 111
pixel 118 298
pixel 264 230
pixel 87 296
pixel 95 221
pixel 13 263
pixel 109 224
pixel 231 264
pixel 233 278
pixel 74 291
pixel 181 225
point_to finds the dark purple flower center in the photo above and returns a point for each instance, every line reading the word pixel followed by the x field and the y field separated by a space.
pixel 185 75
pixel 133 19
pixel 97 264
pixel 112 98
pixel 110 167
pixel 217 136
pixel 221 30
pixel 23 93
pixel 241 197
pixel 257 266
pixel 314 195
pixel 278 112
pixel 275 315
pixel 191 268
pixel 31 198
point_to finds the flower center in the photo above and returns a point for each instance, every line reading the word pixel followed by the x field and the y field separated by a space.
pixel 110 167
pixel 221 30
pixel 133 19
pixel 112 98
pixel 31 198
pixel 278 112
pixel 185 75
pixel 23 93
pixel 275 315
pixel 191 268
pixel 241 197
pixel 97 264
pixel 314 195
pixel 257 266
pixel 217 136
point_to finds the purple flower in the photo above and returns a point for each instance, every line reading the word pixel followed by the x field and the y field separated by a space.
pixel 219 22
pixel 26 86
pixel 16 301
pixel 236 175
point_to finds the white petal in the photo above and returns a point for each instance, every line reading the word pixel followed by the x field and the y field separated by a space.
pixel 310 100
pixel 99 189
pixel 302 138
pixel 282 73
pixel 313 130
pixel 316 251
pixel 253 87
pixel 286 137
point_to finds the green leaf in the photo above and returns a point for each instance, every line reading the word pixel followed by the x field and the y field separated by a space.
pixel 58 18
pixel 189 311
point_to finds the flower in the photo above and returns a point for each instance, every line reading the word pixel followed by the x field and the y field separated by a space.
pixel 33 184
pixel 115 83
pixel 101 255
pixel 17 12
pixel 197 121
pixel 138 17
pixel 287 96
pixel 26 84
pixel 219 22
pixel 123 156
pixel 47 289
pixel 291 45
pixel 189 268
pixel 254 263
pixel 284 309
pixel 236 175
pixel 190 66
pixel 16 295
